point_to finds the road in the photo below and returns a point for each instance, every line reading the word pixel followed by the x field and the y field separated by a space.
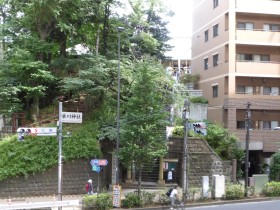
pixel 262 205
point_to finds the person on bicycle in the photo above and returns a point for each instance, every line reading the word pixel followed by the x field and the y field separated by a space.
pixel 173 196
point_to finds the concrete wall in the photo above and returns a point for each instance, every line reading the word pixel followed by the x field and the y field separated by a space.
pixel 203 161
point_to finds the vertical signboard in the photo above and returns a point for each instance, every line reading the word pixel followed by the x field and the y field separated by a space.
pixel 117 189
pixel 114 178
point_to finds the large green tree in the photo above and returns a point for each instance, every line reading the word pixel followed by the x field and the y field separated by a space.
pixel 143 123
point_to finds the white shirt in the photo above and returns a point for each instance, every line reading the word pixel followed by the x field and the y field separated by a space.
pixel 173 193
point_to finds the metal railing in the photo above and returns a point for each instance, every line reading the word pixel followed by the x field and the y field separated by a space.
pixel 37 205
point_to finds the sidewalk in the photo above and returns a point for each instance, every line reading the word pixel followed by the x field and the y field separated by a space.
pixel 64 197
pixel 124 191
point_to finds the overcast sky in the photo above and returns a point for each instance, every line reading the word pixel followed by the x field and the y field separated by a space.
pixel 180 28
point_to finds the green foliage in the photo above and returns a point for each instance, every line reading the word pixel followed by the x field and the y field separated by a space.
pixel 189 78
pixel 193 192
pixel 234 191
pixel 134 200
pixel 272 189
pixel 37 154
pixel 223 142
pixel 198 100
pixel 101 201
pixel 275 167
pixel 131 200
pixel 179 132
pixel 145 114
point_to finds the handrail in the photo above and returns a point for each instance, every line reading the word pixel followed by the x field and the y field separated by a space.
pixel 37 205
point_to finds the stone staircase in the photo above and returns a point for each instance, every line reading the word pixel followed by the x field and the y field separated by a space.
pixel 149 174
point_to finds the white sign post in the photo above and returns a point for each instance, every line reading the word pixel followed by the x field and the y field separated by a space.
pixel 72 117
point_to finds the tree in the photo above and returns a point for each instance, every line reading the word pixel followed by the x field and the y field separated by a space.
pixel 145 116
pixel 149 32
pixel 275 167
pixel 224 144
pixel 28 77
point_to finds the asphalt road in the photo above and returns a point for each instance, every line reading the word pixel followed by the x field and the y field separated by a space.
pixel 261 205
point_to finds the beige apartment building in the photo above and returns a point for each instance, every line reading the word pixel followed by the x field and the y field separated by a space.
pixel 236 51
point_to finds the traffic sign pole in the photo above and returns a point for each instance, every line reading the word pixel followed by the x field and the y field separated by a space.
pixel 60 154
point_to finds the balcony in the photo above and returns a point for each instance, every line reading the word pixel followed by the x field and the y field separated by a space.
pixel 258 68
pixel 261 7
pixel 258 37
pixel 266 140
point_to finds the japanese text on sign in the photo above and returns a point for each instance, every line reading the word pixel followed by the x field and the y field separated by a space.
pixel 117 196
pixel 72 117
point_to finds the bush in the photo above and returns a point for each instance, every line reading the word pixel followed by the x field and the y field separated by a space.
pixel 131 200
pixel 271 189
pixel 134 200
pixel 234 191
pixel 102 201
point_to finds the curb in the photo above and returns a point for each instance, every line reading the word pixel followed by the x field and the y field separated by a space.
pixel 210 203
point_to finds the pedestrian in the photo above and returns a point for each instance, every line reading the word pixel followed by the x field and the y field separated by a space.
pixel 89 187
pixel 173 196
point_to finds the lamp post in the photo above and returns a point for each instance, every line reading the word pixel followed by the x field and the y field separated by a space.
pixel 119 29
pixel 248 116
pixel 185 151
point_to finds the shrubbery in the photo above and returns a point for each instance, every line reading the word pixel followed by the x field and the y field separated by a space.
pixel 234 191
pixel 102 201
pixel 271 189
pixel 134 200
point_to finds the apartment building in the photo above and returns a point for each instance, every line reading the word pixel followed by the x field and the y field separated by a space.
pixel 236 51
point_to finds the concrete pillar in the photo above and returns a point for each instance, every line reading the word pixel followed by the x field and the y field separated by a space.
pixel 234 170
pixel 160 173
pixel 218 185
pixel 205 186
pixel 128 175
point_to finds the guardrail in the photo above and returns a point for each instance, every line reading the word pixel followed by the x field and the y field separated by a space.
pixel 50 204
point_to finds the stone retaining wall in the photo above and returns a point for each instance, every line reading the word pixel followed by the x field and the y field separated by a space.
pixel 203 161
pixel 75 175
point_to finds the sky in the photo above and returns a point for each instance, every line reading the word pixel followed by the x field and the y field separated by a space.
pixel 180 28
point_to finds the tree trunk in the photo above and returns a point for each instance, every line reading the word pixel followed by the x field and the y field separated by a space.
pixel 140 179
pixel 35 109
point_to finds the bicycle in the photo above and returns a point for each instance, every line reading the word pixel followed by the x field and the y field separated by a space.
pixel 179 205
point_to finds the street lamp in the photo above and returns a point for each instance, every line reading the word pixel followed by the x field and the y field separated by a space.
pixel 248 116
pixel 185 151
pixel 119 29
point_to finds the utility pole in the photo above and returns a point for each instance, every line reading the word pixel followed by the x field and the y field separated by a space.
pixel 185 183
pixel 119 29
pixel 248 116
pixel 60 154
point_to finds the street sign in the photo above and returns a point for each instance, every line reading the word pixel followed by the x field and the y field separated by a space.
pixel 99 162
pixel 72 117
pixel 46 131
pixel 38 131
pixel 96 168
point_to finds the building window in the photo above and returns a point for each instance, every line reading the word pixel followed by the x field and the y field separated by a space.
pixel 245 26
pixel 240 124
pixel 215 30
pixel 266 125
pixel 215 59
pixel 205 63
pixel 245 89
pixel 215 3
pixel 271 27
pixel 215 91
pixel 254 58
pixel 274 91
pixel 206 37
